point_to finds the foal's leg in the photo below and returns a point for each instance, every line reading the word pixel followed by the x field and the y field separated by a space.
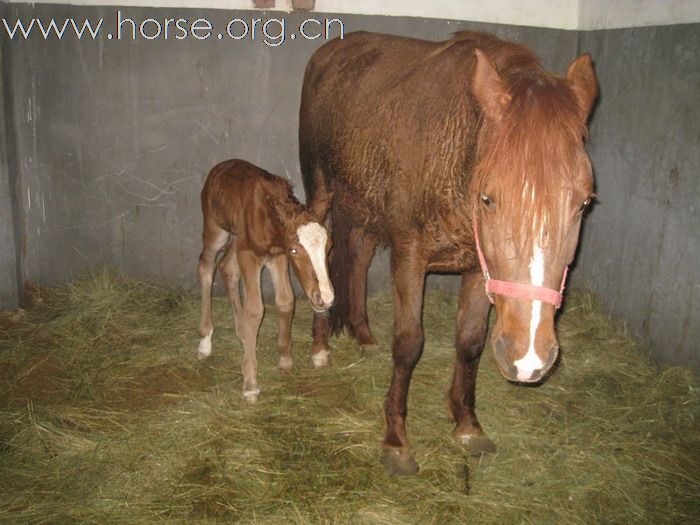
pixel 320 350
pixel 249 322
pixel 361 250
pixel 213 239
pixel 231 274
pixel 472 323
pixel 284 301
pixel 408 272
pixel 320 325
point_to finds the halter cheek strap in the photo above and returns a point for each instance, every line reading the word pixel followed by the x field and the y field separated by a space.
pixel 527 292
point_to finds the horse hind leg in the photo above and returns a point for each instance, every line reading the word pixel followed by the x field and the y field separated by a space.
pixel 284 302
pixel 213 239
pixel 361 249
pixel 321 325
pixel 231 274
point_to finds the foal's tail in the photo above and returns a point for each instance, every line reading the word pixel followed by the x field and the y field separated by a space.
pixel 339 269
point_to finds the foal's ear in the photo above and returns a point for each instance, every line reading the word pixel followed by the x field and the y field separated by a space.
pixel 488 87
pixel 278 197
pixel 320 205
pixel 584 83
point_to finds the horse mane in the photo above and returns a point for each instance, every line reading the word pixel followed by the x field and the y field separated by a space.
pixel 534 149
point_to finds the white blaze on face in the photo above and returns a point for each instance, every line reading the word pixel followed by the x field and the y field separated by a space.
pixel 313 238
pixel 531 361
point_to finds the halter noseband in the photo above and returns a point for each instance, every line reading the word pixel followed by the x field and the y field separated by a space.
pixel 527 292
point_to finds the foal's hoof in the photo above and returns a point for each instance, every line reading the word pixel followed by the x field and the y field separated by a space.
pixel 251 396
pixel 477 444
pixel 399 461
pixel 321 359
pixel 204 348
pixel 285 363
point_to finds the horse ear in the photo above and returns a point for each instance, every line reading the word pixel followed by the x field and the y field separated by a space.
pixel 584 83
pixel 488 87
pixel 320 205
pixel 278 198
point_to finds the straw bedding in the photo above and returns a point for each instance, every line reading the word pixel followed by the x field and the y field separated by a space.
pixel 107 417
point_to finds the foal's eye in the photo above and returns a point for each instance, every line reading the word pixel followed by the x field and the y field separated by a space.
pixel 293 251
pixel 485 199
pixel 585 205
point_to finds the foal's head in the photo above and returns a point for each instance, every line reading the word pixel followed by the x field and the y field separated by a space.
pixel 307 244
pixel 533 185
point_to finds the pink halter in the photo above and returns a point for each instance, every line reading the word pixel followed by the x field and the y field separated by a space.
pixel 527 292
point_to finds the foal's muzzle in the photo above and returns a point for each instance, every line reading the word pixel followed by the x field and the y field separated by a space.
pixel 318 305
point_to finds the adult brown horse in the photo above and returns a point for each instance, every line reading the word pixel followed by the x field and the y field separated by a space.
pixel 423 144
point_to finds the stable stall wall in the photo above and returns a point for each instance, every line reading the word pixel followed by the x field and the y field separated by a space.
pixel 641 245
pixel 108 142
pixel 114 138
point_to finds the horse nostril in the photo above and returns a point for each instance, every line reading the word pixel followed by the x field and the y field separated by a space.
pixel 551 357
pixel 500 345
pixel 500 351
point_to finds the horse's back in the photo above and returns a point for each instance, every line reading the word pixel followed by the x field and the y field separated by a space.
pixel 382 114
pixel 233 194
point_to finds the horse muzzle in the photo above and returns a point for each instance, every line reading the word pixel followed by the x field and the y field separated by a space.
pixel 530 368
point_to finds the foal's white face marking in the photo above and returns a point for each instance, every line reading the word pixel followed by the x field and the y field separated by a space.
pixel 313 237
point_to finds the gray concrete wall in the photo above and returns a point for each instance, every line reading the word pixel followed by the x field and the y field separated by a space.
pixel 641 243
pixel 10 276
pixel 114 138
pixel 110 142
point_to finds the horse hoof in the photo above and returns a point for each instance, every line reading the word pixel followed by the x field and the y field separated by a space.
pixel 369 348
pixel 321 359
pixel 251 396
pixel 477 444
pixel 399 461
pixel 285 363
pixel 204 348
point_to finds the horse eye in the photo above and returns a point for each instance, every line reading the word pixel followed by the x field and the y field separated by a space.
pixel 585 205
pixel 293 251
pixel 485 199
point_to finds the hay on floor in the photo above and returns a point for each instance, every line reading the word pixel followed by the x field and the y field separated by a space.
pixel 107 417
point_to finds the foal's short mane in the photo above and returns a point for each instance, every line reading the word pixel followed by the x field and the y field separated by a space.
pixel 286 207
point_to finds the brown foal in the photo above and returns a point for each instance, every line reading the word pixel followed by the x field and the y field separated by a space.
pixel 255 219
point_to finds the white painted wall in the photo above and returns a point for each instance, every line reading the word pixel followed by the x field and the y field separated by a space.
pixel 559 14
pixel 609 14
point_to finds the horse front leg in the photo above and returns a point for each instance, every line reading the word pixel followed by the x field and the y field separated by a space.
pixel 408 272
pixel 213 239
pixel 472 324
pixel 284 302
pixel 249 323
pixel 320 349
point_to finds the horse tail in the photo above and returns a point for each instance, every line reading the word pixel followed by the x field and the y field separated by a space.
pixel 339 269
